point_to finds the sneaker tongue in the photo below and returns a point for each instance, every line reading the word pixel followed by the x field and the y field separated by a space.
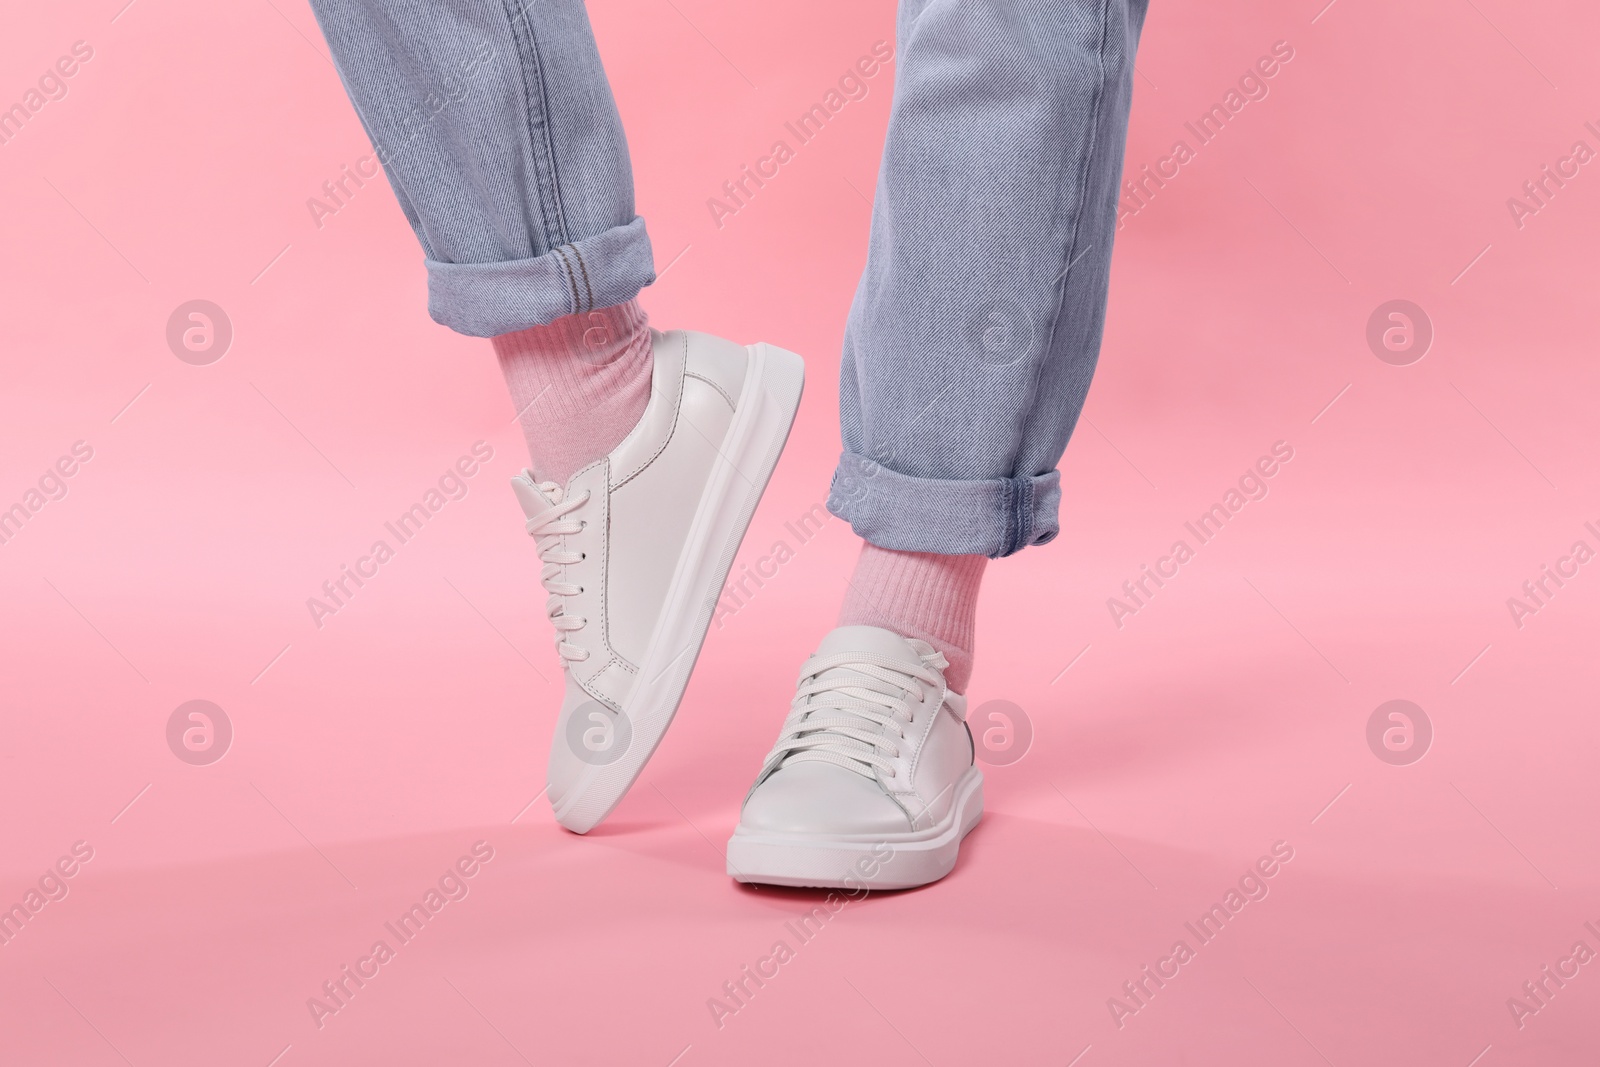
pixel 874 639
pixel 870 639
pixel 531 497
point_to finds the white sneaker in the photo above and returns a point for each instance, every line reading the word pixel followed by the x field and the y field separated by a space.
pixel 637 546
pixel 872 783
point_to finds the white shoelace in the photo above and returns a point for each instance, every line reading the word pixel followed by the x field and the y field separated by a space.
pixel 855 720
pixel 547 528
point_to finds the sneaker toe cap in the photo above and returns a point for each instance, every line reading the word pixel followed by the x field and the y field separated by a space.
pixel 566 764
pixel 819 798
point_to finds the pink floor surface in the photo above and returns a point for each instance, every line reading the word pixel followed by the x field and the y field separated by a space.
pixel 1172 747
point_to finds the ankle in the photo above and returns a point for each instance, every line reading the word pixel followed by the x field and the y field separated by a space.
pixel 919 594
pixel 579 384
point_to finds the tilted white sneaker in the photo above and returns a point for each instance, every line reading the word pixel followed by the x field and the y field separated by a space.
pixel 637 546
pixel 872 783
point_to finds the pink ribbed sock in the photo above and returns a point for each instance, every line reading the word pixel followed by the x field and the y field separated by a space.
pixel 919 594
pixel 579 385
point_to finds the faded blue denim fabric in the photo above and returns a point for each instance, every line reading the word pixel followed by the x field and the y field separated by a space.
pixel 977 324
pixel 976 327
pixel 499 134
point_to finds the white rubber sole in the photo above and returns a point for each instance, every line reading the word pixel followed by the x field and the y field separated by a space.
pixel 860 861
pixel 748 455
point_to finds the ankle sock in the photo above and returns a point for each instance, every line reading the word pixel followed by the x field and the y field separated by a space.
pixel 579 385
pixel 922 595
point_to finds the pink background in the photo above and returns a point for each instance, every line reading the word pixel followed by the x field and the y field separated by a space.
pixel 1223 717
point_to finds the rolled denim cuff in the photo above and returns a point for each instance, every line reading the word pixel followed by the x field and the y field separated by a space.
pixel 990 517
pixel 489 299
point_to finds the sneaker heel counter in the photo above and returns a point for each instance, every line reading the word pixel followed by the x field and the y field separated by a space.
pixel 722 363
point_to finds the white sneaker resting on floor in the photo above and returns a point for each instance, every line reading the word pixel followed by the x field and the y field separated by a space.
pixel 872 783
pixel 636 548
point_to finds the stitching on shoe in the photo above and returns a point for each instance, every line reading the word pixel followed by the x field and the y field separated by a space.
pixel 588 687
pixel 677 411
pixel 927 735
pixel 720 390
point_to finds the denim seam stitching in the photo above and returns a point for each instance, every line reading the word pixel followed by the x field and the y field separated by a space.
pixel 550 148
pixel 586 288
pixel 1093 140
pixel 1082 200
pixel 538 112
pixel 1024 512
pixel 1019 516
pixel 572 281
pixel 569 252
pixel 1003 506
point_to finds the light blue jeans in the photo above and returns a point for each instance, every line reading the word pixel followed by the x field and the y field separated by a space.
pixel 977 324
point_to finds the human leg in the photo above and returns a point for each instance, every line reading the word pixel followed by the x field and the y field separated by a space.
pixel 968 354
pixel 977 324
pixel 521 197
pixel 497 129
pixel 498 132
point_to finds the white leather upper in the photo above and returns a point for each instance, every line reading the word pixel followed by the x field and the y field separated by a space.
pixel 642 500
pixel 793 797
